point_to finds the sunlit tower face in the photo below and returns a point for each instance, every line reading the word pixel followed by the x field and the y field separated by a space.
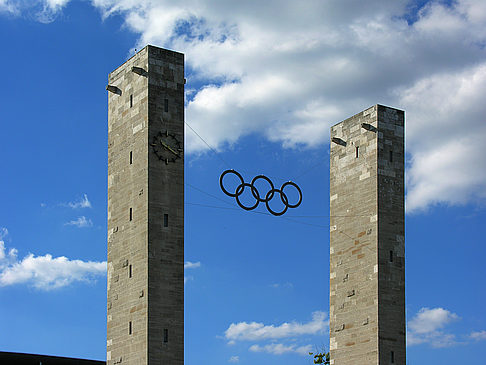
pixel 367 239
pixel 145 312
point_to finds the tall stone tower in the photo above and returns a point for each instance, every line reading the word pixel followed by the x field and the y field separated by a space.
pixel 145 313
pixel 367 269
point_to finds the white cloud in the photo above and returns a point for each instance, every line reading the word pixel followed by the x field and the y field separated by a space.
pixel 289 332
pixel 289 70
pixel 80 203
pixel 445 132
pixel 478 336
pixel 80 222
pixel 3 232
pixel 7 7
pixel 280 349
pixel 426 327
pixel 45 272
pixel 429 320
pixel 234 359
pixel 192 265
pixel 286 285
pixel 256 331
pixel 44 11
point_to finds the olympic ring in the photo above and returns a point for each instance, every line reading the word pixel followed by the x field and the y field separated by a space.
pixel 271 184
pixel 239 191
pixel 284 199
pixel 221 182
pixel 256 194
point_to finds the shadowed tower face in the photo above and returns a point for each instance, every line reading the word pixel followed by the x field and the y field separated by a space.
pixel 367 229
pixel 145 313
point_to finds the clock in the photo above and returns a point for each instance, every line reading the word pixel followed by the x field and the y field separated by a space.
pixel 166 147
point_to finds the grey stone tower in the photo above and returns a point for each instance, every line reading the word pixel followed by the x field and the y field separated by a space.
pixel 367 224
pixel 145 313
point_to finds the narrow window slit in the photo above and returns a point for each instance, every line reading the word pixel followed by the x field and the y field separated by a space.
pixel 391 156
pixel 166 220
pixel 130 271
pixel 166 335
pixel 357 151
pixel 392 357
pixel 130 327
pixel 391 256
pixel 166 105
pixel 131 157
pixel 131 213
pixel 131 101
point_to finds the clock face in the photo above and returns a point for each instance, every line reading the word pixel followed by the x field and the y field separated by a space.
pixel 166 147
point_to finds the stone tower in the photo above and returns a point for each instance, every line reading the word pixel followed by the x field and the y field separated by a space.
pixel 145 312
pixel 367 229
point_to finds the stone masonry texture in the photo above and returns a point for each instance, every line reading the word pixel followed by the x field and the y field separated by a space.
pixel 145 304
pixel 367 239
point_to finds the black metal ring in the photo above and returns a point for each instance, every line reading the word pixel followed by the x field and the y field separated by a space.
pixel 298 189
pixel 233 195
pixel 253 192
pixel 271 184
pixel 284 199
pixel 256 194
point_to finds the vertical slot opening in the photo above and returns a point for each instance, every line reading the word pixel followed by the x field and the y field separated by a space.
pixel 131 157
pixel 391 156
pixel 130 271
pixel 166 105
pixel 357 151
pixel 166 335
pixel 392 357
pixel 131 101
pixel 166 220
pixel 131 213
pixel 391 256
pixel 130 327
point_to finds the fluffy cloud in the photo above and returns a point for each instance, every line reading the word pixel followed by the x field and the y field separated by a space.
pixel 256 331
pixel 448 164
pixel 80 203
pixel 234 359
pixel 190 265
pixel 45 272
pixel 44 11
pixel 478 336
pixel 289 70
pixel 7 7
pixel 426 327
pixel 80 222
pixel 280 349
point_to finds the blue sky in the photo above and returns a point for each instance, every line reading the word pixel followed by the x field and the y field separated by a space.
pixel 265 81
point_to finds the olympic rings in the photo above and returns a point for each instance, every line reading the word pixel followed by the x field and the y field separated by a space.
pixel 221 182
pixel 256 194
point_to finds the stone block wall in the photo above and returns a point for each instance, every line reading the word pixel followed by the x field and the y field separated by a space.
pixel 145 322
pixel 367 292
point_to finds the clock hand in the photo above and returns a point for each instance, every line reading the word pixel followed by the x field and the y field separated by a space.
pixel 169 148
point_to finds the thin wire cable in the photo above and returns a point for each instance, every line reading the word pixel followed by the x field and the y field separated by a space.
pixel 256 212
pixel 298 176
pixel 218 155
pixel 207 144
pixel 216 207
pixel 204 192
pixel 308 170
pixel 288 218
pixel 329 216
